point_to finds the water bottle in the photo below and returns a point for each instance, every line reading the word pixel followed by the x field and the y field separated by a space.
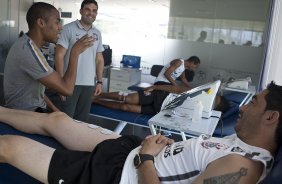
pixel 198 111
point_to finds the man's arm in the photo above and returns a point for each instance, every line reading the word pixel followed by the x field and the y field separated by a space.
pixel 50 104
pixel 59 59
pixel 168 88
pixel 152 145
pixel 65 85
pixel 231 169
pixel 147 173
pixel 173 65
pixel 99 72
pixel 184 80
pixel 59 63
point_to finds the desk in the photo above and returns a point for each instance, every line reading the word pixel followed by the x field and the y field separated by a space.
pixel 250 92
pixel 184 124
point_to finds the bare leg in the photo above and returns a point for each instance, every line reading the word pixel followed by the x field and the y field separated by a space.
pixel 119 105
pixel 132 98
pixel 73 135
pixel 31 157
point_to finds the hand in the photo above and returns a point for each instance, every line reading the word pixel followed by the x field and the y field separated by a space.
pixel 98 90
pixel 83 43
pixel 149 89
pixel 153 145
pixel 63 98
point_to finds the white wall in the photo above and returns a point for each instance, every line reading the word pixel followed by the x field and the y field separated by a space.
pixel 162 51
pixel 273 67
pixel 218 61
pixel 24 5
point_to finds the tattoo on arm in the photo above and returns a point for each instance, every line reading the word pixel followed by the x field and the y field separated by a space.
pixel 230 178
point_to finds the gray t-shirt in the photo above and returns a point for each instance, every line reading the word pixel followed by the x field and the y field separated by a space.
pixel 25 64
pixel 86 66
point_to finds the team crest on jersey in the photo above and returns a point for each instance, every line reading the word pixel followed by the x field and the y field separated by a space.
pixel 95 36
pixel 216 145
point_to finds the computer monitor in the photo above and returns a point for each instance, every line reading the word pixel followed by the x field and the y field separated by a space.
pixel 131 61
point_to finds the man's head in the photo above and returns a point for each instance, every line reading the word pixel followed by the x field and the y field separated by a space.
pixel 203 34
pixel 45 18
pixel 192 63
pixel 262 114
pixel 221 104
pixel 88 11
pixel 274 104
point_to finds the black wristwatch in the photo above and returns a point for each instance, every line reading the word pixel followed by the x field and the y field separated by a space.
pixel 140 158
pixel 99 82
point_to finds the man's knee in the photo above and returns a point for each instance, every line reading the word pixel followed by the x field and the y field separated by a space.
pixel 53 120
pixel 56 117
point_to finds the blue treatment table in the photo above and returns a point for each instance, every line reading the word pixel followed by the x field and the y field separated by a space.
pixel 224 127
pixel 11 175
pixel 122 117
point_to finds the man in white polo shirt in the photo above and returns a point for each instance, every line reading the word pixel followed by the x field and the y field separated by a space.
pixel 90 64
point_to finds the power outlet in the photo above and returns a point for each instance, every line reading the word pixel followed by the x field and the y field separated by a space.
pixel 146 70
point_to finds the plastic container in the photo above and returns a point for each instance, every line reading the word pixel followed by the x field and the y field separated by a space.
pixel 198 111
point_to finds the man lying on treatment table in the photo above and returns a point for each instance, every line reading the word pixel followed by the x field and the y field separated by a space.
pixel 96 155
pixel 148 101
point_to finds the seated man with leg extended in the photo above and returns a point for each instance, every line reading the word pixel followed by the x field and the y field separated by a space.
pixel 148 101
pixel 27 72
pixel 249 152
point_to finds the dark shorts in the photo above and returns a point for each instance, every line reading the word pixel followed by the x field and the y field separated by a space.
pixel 162 83
pixel 151 104
pixel 101 166
pixel 42 110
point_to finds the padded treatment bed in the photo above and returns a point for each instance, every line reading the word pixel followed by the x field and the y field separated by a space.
pixel 10 174
pixel 225 125
pixel 229 118
pixel 122 117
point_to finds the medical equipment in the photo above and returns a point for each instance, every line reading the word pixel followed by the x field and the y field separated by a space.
pixel 184 102
pixel 239 83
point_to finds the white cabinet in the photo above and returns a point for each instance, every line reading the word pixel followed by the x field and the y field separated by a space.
pixel 122 78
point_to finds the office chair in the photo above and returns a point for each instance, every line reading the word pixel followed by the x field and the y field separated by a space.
pixel 156 69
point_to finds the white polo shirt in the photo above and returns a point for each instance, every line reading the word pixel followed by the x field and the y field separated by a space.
pixel 86 68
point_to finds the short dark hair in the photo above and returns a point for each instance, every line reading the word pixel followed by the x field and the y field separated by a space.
pixel 223 106
pixel 85 2
pixel 274 102
pixel 194 59
pixel 38 10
